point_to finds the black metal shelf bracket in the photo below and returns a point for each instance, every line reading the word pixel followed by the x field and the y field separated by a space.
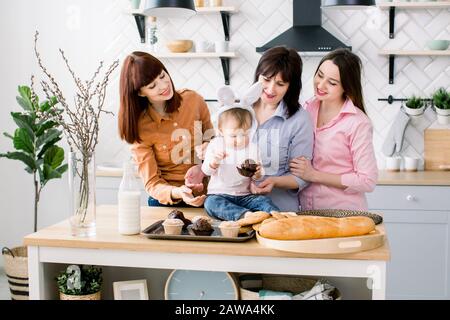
pixel 391 22
pixel 391 68
pixel 226 24
pixel 226 69
pixel 140 22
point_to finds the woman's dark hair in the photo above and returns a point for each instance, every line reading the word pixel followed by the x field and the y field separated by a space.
pixel 288 63
pixel 139 69
pixel 350 66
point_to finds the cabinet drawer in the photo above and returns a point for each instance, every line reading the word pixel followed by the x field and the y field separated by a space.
pixel 410 197
pixel 419 246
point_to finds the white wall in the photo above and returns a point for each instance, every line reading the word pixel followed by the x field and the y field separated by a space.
pixel 90 31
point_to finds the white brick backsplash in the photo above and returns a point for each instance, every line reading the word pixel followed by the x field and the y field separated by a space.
pixel 257 22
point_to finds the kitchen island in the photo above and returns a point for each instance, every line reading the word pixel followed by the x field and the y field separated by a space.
pixel 55 245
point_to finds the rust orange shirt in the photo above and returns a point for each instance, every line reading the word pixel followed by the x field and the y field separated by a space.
pixel 167 148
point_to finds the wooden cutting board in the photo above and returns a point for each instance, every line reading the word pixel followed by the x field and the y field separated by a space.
pixel 370 241
pixel 437 147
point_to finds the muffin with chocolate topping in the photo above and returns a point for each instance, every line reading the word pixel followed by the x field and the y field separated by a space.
pixel 177 214
pixel 201 227
pixel 247 168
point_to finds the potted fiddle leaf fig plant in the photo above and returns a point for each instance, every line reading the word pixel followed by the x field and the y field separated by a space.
pixel 79 282
pixel 414 106
pixel 35 141
pixel 35 144
pixel 441 102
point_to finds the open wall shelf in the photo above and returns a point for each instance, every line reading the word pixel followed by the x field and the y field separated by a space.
pixel 393 53
pixel 225 13
pixel 391 6
pixel 224 59
pixel 204 55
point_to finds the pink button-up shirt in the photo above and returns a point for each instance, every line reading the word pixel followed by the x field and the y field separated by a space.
pixel 344 147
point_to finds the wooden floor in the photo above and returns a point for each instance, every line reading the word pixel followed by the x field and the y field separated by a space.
pixel 4 289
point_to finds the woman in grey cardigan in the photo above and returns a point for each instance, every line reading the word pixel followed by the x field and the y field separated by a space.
pixel 284 129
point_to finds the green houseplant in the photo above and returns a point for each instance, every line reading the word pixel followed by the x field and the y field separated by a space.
pixel 79 282
pixel 414 106
pixel 34 142
pixel 441 102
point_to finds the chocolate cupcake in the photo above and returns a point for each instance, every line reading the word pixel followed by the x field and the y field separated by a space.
pixel 201 227
pixel 177 214
pixel 247 168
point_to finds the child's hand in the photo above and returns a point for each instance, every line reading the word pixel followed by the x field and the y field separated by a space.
pixel 218 157
pixel 258 173
pixel 264 187
pixel 200 150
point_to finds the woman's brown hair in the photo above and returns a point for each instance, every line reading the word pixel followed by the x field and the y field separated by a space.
pixel 288 63
pixel 139 69
pixel 350 66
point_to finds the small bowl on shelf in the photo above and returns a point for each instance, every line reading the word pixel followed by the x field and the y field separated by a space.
pixel 178 46
pixel 438 44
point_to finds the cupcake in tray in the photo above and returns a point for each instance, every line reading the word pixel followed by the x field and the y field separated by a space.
pixel 177 214
pixel 200 227
pixel 173 226
pixel 229 229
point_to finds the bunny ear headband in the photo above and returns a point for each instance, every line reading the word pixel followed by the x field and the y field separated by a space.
pixel 226 98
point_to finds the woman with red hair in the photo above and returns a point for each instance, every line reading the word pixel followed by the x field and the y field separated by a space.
pixel 161 124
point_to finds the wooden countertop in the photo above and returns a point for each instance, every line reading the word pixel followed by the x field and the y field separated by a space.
pixel 419 178
pixel 108 237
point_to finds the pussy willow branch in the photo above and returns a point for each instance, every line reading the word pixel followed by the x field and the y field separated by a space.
pixel 81 124
pixel 81 121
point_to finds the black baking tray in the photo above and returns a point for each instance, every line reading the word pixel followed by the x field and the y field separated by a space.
pixel 156 231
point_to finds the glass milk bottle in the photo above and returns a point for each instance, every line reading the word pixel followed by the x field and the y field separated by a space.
pixel 129 199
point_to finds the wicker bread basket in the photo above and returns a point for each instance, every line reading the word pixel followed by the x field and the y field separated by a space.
pixel 292 284
pixel 340 213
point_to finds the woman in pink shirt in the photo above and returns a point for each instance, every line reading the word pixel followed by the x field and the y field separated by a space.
pixel 344 165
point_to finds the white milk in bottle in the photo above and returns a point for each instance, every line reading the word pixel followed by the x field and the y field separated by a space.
pixel 129 200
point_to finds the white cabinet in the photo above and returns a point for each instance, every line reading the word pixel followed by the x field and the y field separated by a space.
pixel 418 228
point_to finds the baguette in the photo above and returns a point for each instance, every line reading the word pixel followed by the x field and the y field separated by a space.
pixel 310 227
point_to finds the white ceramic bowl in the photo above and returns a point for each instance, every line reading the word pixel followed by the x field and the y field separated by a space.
pixel 438 44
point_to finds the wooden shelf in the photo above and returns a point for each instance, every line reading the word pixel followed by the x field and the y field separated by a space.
pixel 224 59
pixel 200 10
pixel 193 55
pixel 206 10
pixel 391 6
pixel 423 53
pixel 225 13
pixel 415 53
pixel 414 5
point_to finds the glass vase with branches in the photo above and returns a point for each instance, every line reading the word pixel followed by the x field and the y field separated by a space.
pixel 80 123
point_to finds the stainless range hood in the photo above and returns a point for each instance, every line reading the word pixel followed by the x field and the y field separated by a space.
pixel 307 34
